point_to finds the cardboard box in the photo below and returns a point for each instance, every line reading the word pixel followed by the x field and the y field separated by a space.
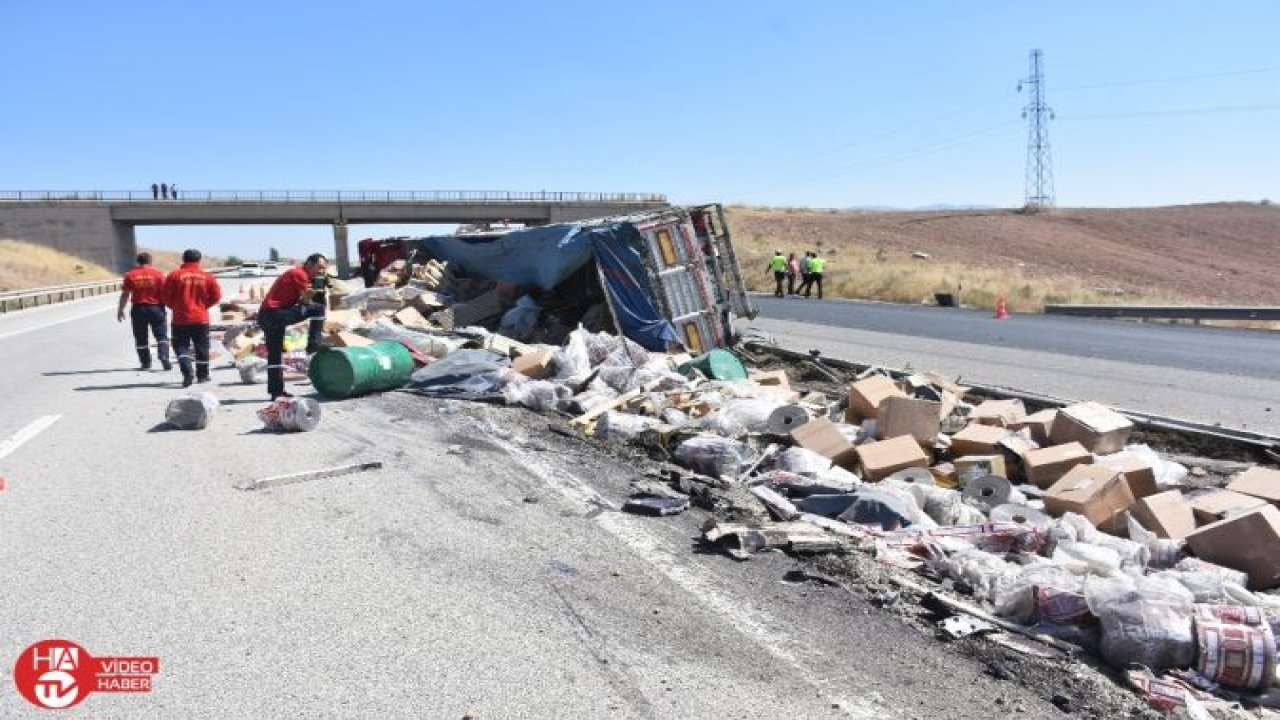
pixel 1258 482
pixel 340 320
pixel 1097 493
pixel 1015 448
pixel 909 416
pixel 866 395
pixel 1046 466
pixel 536 365
pixel 1140 474
pixel 774 385
pixel 1166 514
pixel 1249 542
pixel 945 475
pixel 346 339
pixel 881 459
pixel 972 467
pixel 1001 413
pixel 978 439
pixel 1097 427
pixel 1039 423
pixel 232 317
pixel 1213 504
pixel 823 437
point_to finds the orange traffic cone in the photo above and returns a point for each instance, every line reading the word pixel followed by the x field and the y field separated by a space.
pixel 1002 309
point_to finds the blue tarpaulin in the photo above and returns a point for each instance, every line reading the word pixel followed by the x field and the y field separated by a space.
pixel 544 256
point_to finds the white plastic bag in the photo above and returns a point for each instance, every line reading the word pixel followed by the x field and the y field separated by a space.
pixel 622 427
pixel 518 322
pixel 802 461
pixel 572 360
pixel 537 395
pixel 986 573
pixel 1168 474
pixel 1147 620
pixel 715 456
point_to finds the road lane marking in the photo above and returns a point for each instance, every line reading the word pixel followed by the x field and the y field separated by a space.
pixel 38 426
pixel 50 324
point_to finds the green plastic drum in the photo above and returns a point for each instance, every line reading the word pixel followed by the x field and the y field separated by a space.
pixel 339 373
pixel 718 365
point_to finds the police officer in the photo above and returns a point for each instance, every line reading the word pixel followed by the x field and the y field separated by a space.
pixel 144 285
pixel 189 292
pixel 778 265
pixel 291 299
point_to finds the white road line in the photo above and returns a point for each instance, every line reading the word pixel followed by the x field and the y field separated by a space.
pixel 22 436
pixel 52 323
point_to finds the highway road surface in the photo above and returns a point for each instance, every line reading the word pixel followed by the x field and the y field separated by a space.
pixel 1212 375
pixel 486 567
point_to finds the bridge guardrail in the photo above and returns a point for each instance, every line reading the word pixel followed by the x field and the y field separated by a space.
pixel 12 300
pixel 1167 312
pixel 241 196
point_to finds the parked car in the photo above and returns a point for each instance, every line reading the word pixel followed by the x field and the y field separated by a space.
pixel 251 269
pixel 270 268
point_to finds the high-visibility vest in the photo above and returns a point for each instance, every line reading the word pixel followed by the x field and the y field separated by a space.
pixel 815 264
pixel 778 263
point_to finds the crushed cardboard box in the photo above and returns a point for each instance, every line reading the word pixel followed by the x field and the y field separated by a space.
pixel 1097 493
pixel 866 395
pixel 1249 542
pixel 1259 482
pixel 823 437
pixel 1166 514
pixel 978 439
pixel 1046 466
pixel 1038 423
pixel 1213 504
pixel 1001 413
pixel 536 364
pixel 1139 473
pixel 908 416
pixel 883 458
pixel 1097 427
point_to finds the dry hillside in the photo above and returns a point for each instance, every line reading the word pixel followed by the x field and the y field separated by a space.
pixel 1220 253
pixel 23 265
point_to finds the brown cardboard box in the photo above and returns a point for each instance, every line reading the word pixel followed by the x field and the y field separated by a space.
pixel 536 365
pixel 1015 447
pixel 1249 542
pixel 1039 423
pixel 1166 514
pixel 866 395
pixel 1046 466
pixel 1001 413
pixel 1097 427
pixel 1258 482
pixel 909 416
pixel 978 439
pixel 411 318
pixel 346 339
pixel 1140 474
pixel 1097 493
pixel 1213 504
pixel 881 459
pixel 972 467
pixel 775 385
pixel 339 320
pixel 823 437
pixel 232 317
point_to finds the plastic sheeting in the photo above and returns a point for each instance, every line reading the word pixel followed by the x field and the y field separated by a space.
pixel 619 253
pixel 538 256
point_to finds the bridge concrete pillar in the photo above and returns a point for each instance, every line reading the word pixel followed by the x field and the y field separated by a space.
pixel 340 254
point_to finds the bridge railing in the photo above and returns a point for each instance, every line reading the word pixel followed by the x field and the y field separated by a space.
pixel 304 196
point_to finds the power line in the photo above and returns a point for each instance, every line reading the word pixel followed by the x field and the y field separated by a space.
pixel 1263 107
pixel 1178 78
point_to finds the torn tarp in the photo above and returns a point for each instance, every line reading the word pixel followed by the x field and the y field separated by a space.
pixel 537 256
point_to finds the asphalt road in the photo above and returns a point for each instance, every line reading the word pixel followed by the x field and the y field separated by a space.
pixel 486 566
pixel 1213 375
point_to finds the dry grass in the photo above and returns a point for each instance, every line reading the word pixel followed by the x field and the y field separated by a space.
pixel 23 265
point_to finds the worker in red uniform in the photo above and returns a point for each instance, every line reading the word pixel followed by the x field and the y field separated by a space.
pixel 291 300
pixel 143 285
pixel 189 292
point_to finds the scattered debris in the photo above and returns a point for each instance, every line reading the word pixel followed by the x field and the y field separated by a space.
pixel 192 412
pixel 290 479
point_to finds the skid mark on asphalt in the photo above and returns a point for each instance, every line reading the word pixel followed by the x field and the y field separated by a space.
pixel 19 438
pixel 617 679
pixel 750 622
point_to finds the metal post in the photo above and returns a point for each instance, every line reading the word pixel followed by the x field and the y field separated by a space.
pixel 340 247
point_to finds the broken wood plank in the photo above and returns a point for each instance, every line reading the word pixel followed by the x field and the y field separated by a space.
pixel 292 478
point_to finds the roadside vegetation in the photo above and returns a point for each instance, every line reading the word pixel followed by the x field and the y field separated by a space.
pixel 23 265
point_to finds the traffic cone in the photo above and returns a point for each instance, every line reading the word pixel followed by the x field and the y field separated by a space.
pixel 1002 309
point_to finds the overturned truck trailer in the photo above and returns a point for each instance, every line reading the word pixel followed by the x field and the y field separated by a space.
pixel 669 277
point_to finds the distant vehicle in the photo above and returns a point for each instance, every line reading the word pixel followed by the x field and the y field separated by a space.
pixel 270 268
pixel 251 269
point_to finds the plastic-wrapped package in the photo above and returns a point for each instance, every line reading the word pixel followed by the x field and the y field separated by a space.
pixel 945 506
pixel 902 492
pixel 291 414
pixel 614 350
pixel 837 476
pixel 518 322
pixel 672 416
pixel 1084 558
pixel 740 416
pixel 1042 591
pixel 802 461
pixel 595 395
pixel 715 456
pixel 1192 564
pixel 1162 552
pixel 251 369
pixel 436 346
pixel 1147 620
pixel 1132 555
pixel 192 412
pixel 462 372
pixel 572 360
pixel 1168 474
pixel 622 427
pixel 987 574
pixel 361 298
pixel 537 395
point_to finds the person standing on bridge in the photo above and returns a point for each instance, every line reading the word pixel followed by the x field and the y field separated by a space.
pixel 290 300
pixel 144 285
pixel 190 291
pixel 164 191
pixel 155 191
pixel 777 264
pixel 173 191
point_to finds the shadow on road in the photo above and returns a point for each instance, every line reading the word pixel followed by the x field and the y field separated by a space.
pixel 164 426
pixel 125 386
pixel 57 373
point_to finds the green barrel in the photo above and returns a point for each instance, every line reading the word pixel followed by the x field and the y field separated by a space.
pixel 339 373
pixel 718 365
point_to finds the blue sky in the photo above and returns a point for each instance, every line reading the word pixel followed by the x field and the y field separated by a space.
pixel 829 104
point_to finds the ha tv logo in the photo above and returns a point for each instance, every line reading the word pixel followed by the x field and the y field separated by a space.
pixel 56 674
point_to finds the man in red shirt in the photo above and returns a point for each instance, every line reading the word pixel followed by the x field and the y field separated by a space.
pixel 290 300
pixel 190 291
pixel 144 284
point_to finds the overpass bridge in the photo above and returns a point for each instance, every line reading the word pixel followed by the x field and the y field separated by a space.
pixel 99 225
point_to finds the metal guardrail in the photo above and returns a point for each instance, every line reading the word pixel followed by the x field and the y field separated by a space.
pixel 13 300
pixel 303 196
pixel 1166 312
